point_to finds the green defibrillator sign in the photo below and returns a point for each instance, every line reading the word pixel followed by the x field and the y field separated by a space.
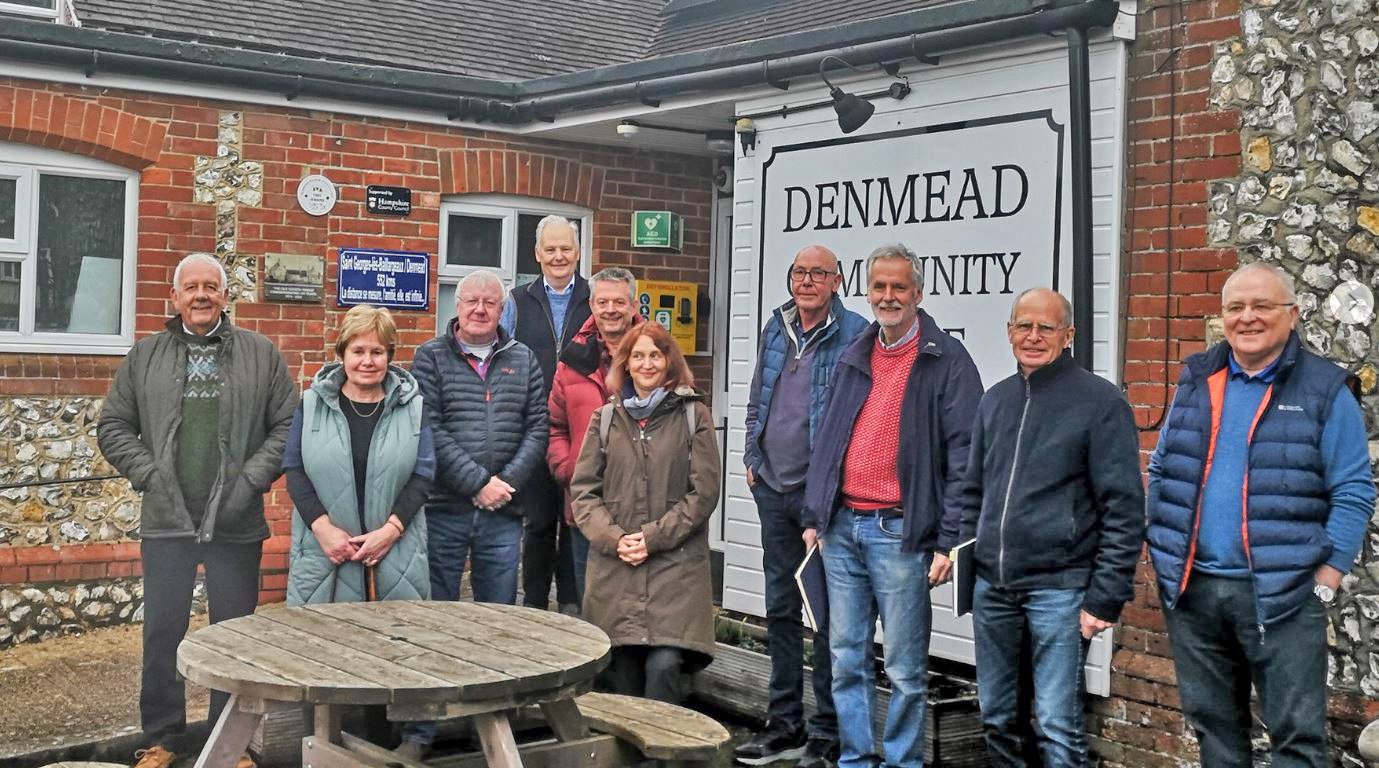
pixel 657 229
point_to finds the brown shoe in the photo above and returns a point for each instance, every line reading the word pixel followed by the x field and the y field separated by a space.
pixel 154 757
pixel 245 761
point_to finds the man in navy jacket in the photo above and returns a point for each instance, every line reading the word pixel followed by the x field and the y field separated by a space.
pixel 1259 494
pixel 1054 499
pixel 884 493
pixel 800 346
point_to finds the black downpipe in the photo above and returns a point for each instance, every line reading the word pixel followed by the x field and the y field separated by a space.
pixel 1095 13
pixel 1080 118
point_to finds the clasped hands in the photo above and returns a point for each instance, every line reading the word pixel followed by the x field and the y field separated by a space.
pixel 495 493
pixel 632 548
pixel 340 547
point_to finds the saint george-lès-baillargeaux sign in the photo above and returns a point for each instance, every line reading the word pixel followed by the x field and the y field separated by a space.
pixel 979 201
pixel 393 279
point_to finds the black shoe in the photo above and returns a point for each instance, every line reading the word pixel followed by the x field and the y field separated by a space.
pixel 819 753
pixel 775 743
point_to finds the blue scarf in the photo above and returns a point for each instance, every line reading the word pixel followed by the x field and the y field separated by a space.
pixel 642 407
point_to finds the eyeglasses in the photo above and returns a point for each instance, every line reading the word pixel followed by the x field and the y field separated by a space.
pixel 1237 308
pixel 798 274
pixel 1045 330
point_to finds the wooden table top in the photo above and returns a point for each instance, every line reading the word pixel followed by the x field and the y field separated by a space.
pixel 395 652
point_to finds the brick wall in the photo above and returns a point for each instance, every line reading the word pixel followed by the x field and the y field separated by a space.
pixel 171 141
pixel 1184 140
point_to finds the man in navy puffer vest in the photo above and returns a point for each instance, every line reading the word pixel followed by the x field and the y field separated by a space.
pixel 1259 494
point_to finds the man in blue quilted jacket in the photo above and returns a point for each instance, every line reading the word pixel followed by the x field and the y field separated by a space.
pixel 799 347
pixel 1259 494
pixel 485 401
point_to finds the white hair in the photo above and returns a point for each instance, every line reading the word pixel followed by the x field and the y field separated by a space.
pixel 478 280
pixel 617 275
pixel 199 258
pixel 1284 279
pixel 556 219
pixel 898 251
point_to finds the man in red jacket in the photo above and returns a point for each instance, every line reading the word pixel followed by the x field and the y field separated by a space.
pixel 578 388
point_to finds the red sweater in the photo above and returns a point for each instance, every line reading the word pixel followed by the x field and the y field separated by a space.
pixel 869 468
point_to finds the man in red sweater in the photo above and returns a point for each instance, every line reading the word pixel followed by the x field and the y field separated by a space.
pixel 578 387
pixel 883 495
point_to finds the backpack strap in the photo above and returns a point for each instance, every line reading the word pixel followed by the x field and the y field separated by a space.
pixel 605 424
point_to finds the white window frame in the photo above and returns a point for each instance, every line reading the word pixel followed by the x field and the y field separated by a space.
pixel 506 208
pixel 51 12
pixel 28 163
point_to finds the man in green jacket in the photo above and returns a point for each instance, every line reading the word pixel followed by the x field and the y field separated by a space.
pixel 196 419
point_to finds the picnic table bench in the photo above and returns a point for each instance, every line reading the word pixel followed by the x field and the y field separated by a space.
pixel 432 660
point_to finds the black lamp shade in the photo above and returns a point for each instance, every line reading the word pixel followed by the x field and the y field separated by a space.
pixel 853 112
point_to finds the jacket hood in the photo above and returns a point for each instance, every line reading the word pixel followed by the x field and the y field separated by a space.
pixel 398 385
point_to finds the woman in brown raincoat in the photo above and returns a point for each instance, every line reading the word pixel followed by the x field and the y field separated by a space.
pixel 645 484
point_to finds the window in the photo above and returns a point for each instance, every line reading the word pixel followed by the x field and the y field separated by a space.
pixel 67 249
pixel 498 232
pixel 42 8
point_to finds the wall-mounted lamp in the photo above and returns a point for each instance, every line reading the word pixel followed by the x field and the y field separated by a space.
pixel 746 133
pixel 854 111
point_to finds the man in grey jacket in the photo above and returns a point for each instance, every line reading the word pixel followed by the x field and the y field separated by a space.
pixel 196 419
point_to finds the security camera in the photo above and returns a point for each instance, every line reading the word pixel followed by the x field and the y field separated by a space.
pixel 628 128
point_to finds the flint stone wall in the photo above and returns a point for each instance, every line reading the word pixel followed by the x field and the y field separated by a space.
pixel 58 489
pixel 1305 79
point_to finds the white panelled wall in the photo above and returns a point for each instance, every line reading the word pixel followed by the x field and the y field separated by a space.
pixel 984 92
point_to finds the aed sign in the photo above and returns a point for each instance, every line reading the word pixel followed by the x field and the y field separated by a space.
pixel 393 279
pixel 657 229
pixel 979 201
pixel 672 304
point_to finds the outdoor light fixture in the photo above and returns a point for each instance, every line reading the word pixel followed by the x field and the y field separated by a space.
pixel 854 111
pixel 746 134
pixel 628 128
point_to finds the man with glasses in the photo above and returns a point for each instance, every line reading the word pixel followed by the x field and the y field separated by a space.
pixel 799 347
pixel 884 498
pixel 1259 495
pixel 1054 500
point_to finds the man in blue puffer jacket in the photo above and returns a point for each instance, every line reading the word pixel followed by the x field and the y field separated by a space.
pixel 799 347
pixel 1259 494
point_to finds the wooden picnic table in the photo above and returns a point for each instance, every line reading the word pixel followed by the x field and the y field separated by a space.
pixel 425 660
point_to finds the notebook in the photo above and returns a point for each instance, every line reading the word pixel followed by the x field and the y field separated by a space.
pixel 809 577
pixel 964 577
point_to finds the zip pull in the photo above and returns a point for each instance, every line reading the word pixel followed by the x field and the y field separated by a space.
pixel 488 394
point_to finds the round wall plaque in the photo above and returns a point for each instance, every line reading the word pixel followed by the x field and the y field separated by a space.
pixel 316 194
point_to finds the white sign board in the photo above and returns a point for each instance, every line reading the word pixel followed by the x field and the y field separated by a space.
pixel 980 202
pixel 971 172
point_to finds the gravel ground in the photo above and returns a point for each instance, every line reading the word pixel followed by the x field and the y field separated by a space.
pixel 77 689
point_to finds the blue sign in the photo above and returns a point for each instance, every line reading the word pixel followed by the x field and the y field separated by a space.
pixel 393 279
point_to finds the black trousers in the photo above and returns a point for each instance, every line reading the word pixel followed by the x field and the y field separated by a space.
pixel 546 547
pixel 232 590
pixel 648 671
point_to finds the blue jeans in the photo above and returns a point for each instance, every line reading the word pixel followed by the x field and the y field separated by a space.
pixel 1003 620
pixel 867 575
pixel 1218 652
pixel 782 550
pixel 490 541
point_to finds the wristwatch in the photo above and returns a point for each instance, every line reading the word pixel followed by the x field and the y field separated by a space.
pixel 1324 593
